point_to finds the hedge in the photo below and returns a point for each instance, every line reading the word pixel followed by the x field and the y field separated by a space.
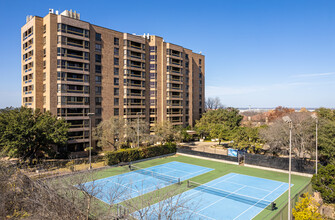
pixel 133 154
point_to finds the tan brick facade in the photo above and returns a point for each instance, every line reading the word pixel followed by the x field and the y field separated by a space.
pixel 71 67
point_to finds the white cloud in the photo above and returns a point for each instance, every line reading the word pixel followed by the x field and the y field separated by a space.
pixel 313 75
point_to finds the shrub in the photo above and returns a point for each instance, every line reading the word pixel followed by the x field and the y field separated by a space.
pixel 324 183
pixel 133 154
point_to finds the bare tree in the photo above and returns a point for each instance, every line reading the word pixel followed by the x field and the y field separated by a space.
pixel 21 197
pixel 303 135
pixel 171 203
pixel 213 104
pixel 137 131
pixel 115 132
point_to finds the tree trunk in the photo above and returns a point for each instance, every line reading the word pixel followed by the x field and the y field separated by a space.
pixel 88 207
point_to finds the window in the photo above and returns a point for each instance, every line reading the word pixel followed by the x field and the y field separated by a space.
pixel 153 102
pixel 44 52
pixel 116 61
pixel 116 51
pixel 186 56
pixel 97 37
pixel 200 75
pixel 116 71
pixel 116 101
pixel 153 75
pixel 116 111
pixel 116 81
pixel 44 64
pixel 44 88
pixel 98 100
pixel 186 64
pixel 153 49
pixel 98 47
pixel 98 90
pixel 153 93
pixel 97 121
pixel 116 41
pixel 116 91
pixel 153 84
pixel 98 111
pixel 44 28
pixel 199 61
pixel 98 58
pixel 98 79
pixel 97 69
pixel 44 40
pixel 44 76
pixel 153 66
pixel 153 57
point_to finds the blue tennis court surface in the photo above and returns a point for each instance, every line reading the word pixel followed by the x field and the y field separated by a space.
pixel 233 196
pixel 125 186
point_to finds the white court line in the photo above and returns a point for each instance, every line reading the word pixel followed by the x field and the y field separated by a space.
pixel 197 172
pixel 222 198
pixel 212 185
pixel 258 201
pixel 126 187
pixel 188 164
pixel 249 186
pixel 202 214
pixel 274 199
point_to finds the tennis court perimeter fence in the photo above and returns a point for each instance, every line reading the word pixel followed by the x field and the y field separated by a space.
pixel 282 212
pixel 298 165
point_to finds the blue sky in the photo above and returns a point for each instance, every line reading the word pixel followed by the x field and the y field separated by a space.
pixel 259 53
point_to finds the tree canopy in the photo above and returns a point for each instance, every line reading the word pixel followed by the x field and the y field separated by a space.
pixel 326 137
pixel 324 183
pixel 303 135
pixel 28 134
pixel 219 123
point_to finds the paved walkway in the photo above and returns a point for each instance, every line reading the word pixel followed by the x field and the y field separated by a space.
pixel 209 147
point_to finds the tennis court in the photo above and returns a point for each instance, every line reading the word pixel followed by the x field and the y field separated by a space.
pixel 129 185
pixel 233 196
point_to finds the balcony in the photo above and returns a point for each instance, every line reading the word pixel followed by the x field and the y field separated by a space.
pixel 27 81
pixel 28 59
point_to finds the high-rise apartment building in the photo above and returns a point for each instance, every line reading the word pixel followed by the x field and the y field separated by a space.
pixel 71 67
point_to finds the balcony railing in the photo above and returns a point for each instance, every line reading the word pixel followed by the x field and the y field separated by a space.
pixel 28 81
pixel 72 114
pixel 75 44
pixel 78 137
pixel 28 48
pixel 133 75
pixel 28 59
pixel 27 70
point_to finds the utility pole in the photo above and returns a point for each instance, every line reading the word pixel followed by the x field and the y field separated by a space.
pixel 289 121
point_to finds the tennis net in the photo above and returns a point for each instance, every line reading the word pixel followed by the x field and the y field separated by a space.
pixel 265 204
pixel 170 179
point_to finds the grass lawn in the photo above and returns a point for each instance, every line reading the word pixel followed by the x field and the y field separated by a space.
pixel 220 169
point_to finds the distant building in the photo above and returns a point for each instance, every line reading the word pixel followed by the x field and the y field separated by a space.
pixel 71 67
